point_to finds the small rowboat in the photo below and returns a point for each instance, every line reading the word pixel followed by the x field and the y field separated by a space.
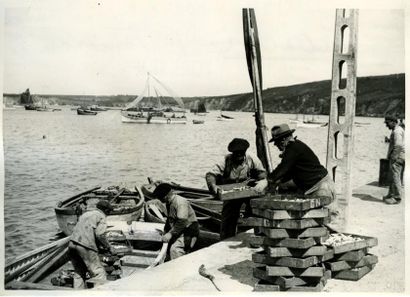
pixel 82 111
pixel 128 206
pixel 139 246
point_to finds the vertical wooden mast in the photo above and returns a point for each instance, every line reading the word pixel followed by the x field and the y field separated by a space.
pixel 253 57
pixel 343 102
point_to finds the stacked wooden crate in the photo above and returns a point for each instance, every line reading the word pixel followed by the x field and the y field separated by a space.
pixel 352 259
pixel 291 233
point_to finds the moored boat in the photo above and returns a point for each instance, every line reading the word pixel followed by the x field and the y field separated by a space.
pixel 127 204
pixel 158 109
pixel 85 111
pixel 138 247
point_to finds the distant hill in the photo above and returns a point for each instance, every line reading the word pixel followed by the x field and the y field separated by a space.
pixel 376 95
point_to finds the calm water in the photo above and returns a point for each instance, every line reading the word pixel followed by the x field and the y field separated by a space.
pixel 79 152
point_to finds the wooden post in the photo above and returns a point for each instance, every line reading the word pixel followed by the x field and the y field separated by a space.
pixel 343 101
pixel 253 56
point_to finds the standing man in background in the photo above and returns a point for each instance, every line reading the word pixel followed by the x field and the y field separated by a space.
pixel 396 158
pixel 238 166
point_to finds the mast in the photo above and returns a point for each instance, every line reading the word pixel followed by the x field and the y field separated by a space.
pixel 253 56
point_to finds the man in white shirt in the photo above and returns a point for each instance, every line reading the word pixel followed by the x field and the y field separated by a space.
pixel 396 157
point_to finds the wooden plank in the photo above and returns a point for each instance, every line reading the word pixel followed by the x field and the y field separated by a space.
pixel 353 274
pixel 136 261
pixel 285 224
pixel 345 265
pixel 18 285
pixel 144 235
pixel 307 288
pixel 296 243
pixel 286 202
pixel 352 255
pixel 273 214
pixel 263 258
pixel 275 252
pixel 301 272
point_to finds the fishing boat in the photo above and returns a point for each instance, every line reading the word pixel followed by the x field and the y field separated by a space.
pixel 223 117
pixel 127 205
pixel 85 111
pixel 199 109
pixel 97 108
pixel 152 107
pixel 138 247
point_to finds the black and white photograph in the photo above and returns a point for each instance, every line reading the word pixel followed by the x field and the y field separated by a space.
pixel 203 147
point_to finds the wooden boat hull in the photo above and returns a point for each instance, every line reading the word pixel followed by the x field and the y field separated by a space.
pixel 85 112
pixel 128 207
pixel 42 268
pixel 153 120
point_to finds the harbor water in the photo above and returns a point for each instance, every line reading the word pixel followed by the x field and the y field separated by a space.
pixel 51 156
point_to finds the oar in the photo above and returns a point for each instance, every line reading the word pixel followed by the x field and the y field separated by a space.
pixel 253 57
pixel 116 199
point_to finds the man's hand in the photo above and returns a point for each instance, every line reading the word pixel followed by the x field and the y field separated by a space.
pixel 261 186
pixel 167 237
pixel 215 189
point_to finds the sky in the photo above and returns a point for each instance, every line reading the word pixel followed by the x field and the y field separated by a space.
pixel 195 48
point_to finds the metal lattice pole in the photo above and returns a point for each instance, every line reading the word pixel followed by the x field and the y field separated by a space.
pixel 343 102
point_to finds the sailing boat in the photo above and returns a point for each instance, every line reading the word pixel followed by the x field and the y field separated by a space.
pixel 43 106
pixel 158 109
pixel 199 109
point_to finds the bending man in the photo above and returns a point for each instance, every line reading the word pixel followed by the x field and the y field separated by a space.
pixel 181 227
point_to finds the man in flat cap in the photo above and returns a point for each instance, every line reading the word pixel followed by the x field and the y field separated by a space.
pixel 300 165
pixel 88 235
pixel 181 227
pixel 396 157
pixel 238 166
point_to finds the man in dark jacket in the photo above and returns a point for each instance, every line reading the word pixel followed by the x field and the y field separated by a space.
pixel 181 227
pixel 299 164
pixel 236 167
pixel 87 236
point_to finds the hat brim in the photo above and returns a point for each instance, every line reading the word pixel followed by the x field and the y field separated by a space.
pixel 279 136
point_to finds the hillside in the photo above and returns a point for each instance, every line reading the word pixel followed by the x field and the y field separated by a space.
pixel 376 95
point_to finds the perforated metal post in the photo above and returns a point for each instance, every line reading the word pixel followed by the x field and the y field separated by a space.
pixel 343 102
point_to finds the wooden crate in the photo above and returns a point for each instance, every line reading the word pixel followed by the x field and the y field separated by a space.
pixel 352 255
pixel 353 274
pixel 273 214
pixel 285 224
pixel 367 242
pixel 292 262
pixel 286 202
pixel 237 191
pixel 296 243
pixel 275 252
pixel 285 233
pixel 346 265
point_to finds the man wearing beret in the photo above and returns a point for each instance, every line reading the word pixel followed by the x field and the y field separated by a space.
pixel 238 166
pixel 181 227
pixel 88 234
pixel 299 164
pixel 396 157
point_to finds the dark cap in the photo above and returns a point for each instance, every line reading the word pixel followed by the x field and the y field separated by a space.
pixel 280 131
pixel 104 206
pixel 162 190
pixel 390 118
pixel 238 145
